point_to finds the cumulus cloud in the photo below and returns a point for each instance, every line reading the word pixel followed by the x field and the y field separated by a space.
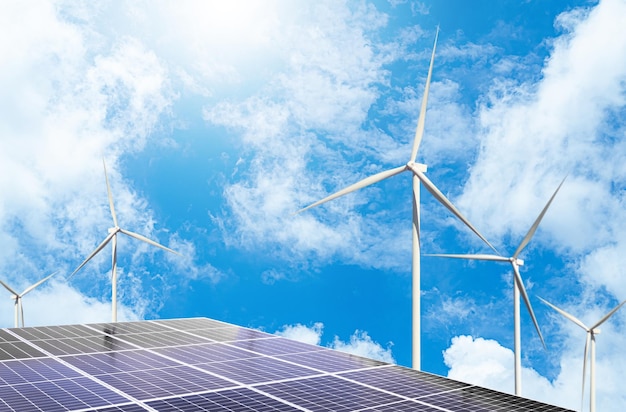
pixel 70 307
pixel 360 343
pixel 485 362
pixel 533 134
pixel 301 333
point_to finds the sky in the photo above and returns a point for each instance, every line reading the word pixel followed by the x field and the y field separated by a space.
pixel 218 121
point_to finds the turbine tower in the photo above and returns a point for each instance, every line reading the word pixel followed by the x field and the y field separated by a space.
pixel 417 170
pixel 590 348
pixel 518 288
pixel 17 297
pixel 112 237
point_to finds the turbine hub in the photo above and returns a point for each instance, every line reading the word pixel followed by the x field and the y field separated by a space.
pixel 518 262
pixel 417 166
pixel 114 229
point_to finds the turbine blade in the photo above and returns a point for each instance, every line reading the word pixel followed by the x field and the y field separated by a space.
pixel 145 239
pixel 416 215
pixel 567 315
pixel 430 186
pixel 94 253
pixel 522 289
pixel 33 286
pixel 7 287
pixel 533 228
pixel 361 184
pixel 106 178
pixel 608 315
pixel 470 257
pixel 419 132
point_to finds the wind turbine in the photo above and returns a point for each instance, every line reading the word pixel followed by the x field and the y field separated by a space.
pixel 590 348
pixel 518 287
pixel 17 297
pixel 417 170
pixel 112 237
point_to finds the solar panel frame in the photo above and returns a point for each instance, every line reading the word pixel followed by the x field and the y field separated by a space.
pixel 190 364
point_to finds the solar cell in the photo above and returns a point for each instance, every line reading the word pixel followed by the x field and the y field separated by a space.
pixel 7 337
pixel 275 346
pixel 328 393
pixel 157 383
pixel 331 361
pixel 18 350
pixel 114 362
pixel 230 334
pixel 91 344
pixel 216 352
pixel 256 370
pixel 163 339
pixel 55 332
pixel 240 399
pixel 204 364
pixel 404 381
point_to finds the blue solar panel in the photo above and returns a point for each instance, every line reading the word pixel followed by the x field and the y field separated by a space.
pixel 257 370
pixel 330 361
pixel 203 364
pixel 205 353
pixel 328 393
pixel 241 399
pixel 275 346
pixel 404 381
pixel 159 383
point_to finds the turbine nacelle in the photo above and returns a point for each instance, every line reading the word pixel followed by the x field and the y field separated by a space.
pixel 115 229
pixel 516 261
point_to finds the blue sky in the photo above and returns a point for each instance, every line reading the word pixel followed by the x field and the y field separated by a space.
pixel 218 122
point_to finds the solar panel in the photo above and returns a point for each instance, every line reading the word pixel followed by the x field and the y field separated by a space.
pixel 202 364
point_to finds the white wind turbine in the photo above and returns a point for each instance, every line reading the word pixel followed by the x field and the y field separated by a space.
pixel 112 237
pixel 417 170
pixel 590 348
pixel 17 297
pixel 518 287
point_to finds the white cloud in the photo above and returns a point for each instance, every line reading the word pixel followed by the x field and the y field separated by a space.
pixel 186 262
pixel 271 276
pixel 360 343
pixel 486 363
pixel 533 134
pixel 57 303
pixel 322 90
pixel 72 97
pixel 306 334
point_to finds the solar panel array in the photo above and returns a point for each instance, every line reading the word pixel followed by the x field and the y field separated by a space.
pixel 205 365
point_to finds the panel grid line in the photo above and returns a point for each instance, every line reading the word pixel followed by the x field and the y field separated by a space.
pixel 203 364
pixel 85 375
pixel 223 377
